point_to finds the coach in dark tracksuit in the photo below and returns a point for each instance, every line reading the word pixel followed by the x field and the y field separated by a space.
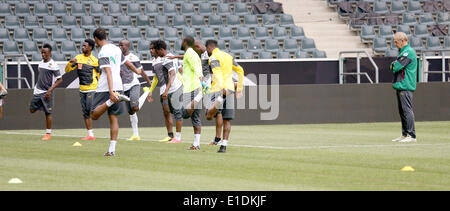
pixel 405 80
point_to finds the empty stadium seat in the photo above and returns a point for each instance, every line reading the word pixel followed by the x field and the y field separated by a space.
pixel 251 21
pixel 265 55
pixel 380 7
pixel 29 47
pixel 367 32
pixel 170 34
pixel 205 9
pixel 97 10
pixel 107 22
pixel 21 34
pixel 187 9
pixel 404 28
pixel 22 9
pixel 69 22
pixel 254 45
pixel 415 43
pixel 279 33
pixel 57 56
pixel 269 20
pixel 114 9
pixel 10 47
pixel 379 45
pixel 41 9
pixel 271 45
pixel 207 33
pixel 152 34
pixel 59 9
pixel 4 35
pixel 215 21
pixel 297 32
pixel 197 21
pixel 426 18
pixel 170 9
pixel 188 31
pixel 179 21
pixel 151 9
pixel 261 33
pixel 308 45
pixel 78 34
pixel 31 22
pixel 397 7
pixel 223 9
pixel 50 22
pixel 161 21
pixel 301 54
pixel 133 9
pixel 233 21
pixel 143 46
pixel 36 57
pixel 142 21
pixel 442 18
pixel 283 55
pixel 391 52
pixel 116 34
pixel 385 31
pixel 240 9
pixel 414 6
pixel 177 47
pixel 134 34
pixel 5 10
pixel 59 34
pixel 68 47
pixel 12 22
pixel 433 43
pixel 243 33
pixel 319 54
pixel 40 34
pixel 420 30
pixel 78 10
pixel 236 46
pixel 124 21
pixel 290 45
pixel 409 19
pixel 87 22
pixel 246 55
pixel 286 20
pixel 226 33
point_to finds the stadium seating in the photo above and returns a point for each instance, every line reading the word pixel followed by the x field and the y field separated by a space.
pixel 424 21
pixel 66 24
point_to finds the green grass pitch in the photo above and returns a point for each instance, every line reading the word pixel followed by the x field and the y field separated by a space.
pixel 262 158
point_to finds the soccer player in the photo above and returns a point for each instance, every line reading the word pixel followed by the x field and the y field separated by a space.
pixel 223 65
pixel 86 65
pixel 43 90
pixel 109 91
pixel 131 85
pixel 3 94
pixel 192 88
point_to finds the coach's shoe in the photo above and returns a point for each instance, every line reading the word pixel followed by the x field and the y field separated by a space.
pixel 175 141
pixel 109 154
pixel 192 147
pixel 408 139
pixel 47 137
pixel 222 149
pixel 399 138
pixel 88 138
pixel 166 139
pixel 134 138
pixel 122 97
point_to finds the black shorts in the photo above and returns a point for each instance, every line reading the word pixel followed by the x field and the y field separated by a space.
pixel 226 109
pixel 86 99
pixel 133 93
pixel 174 102
pixel 39 102
pixel 102 97
pixel 195 116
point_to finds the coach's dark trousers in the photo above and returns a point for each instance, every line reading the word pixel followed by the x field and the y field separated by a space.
pixel 405 108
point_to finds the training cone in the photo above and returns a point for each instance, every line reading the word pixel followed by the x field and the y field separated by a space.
pixel 77 144
pixel 15 181
pixel 407 168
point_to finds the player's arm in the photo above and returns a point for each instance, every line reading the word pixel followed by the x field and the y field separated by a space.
pixel 58 82
pixel 240 71
pixel 172 75
pixel 105 66
pixel 400 64
pixel 175 57
pixel 71 65
pixel 217 76
pixel 132 67
pixel 2 87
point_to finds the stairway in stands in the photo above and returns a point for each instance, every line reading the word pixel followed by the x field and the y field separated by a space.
pixel 322 24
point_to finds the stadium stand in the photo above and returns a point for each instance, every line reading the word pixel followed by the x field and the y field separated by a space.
pixel 243 28
pixel 426 22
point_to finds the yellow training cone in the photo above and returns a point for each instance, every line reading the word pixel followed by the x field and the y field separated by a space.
pixel 15 181
pixel 77 144
pixel 407 168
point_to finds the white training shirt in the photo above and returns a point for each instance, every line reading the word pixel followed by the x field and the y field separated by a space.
pixel 129 74
pixel 171 65
pixel 110 56
pixel 47 72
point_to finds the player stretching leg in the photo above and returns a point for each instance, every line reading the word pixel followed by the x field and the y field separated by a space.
pixel 131 85
pixel 223 87
pixel 192 88
pixel 86 66
pixel 42 95
pixel 108 94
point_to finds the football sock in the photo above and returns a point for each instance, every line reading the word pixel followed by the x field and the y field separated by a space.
pixel 134 124
pixel 112 146
pixel 178 136
pixel 48 131
pixel 196 140
pixel 91 133
pixel 142 99
pixel 170 134
pixel 224 142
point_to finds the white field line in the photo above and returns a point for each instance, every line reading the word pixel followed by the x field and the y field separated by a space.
pixel 256 146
